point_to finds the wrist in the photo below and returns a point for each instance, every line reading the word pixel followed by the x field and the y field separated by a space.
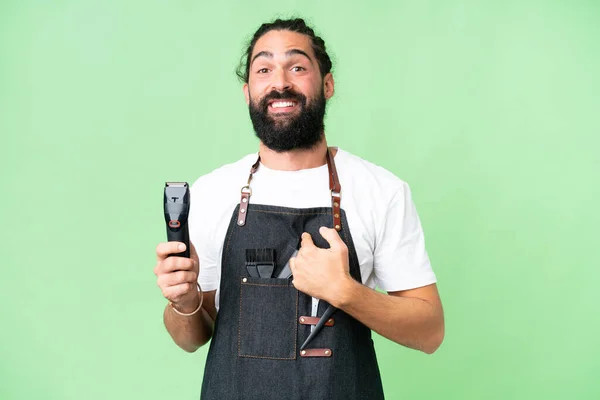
pixel 189 306
pixel 345 293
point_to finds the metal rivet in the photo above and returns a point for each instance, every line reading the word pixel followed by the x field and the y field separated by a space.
pixel 327 352
pixel 337 215
pixel 302 320
pixel 336 205
pixel 303 352
pixel 245 280
pixel 241 222
pixel 244 200
pixel 330 321
pixel 337 227
pixel 242 211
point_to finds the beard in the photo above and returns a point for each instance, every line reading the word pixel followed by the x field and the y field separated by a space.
pixel 285 133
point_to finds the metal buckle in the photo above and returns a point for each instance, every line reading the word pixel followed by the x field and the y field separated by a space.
pixel 248 190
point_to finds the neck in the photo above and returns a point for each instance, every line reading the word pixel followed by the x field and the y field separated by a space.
pixel 294 160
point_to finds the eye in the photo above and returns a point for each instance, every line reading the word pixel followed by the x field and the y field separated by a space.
pixel 298 68
pixel 263 71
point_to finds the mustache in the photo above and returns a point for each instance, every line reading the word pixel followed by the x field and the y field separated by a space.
pixel 286 94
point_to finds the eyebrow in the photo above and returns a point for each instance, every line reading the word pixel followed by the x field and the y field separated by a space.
pixel 288 53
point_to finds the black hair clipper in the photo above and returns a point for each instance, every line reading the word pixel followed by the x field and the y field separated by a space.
pixel 177 207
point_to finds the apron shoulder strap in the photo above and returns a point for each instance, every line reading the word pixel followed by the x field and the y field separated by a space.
pixel 334 188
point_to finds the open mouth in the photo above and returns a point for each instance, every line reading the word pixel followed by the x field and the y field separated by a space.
pixel 282 106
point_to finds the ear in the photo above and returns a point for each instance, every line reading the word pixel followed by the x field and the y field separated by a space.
pixel 328 86
pixel 246 94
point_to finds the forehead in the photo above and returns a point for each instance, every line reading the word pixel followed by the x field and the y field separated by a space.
pixel 278 42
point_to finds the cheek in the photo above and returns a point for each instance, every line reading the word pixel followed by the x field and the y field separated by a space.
pixel 254 98
pixel 255 91
pixel 313 88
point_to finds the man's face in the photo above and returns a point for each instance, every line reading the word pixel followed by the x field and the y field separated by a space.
pixel 285 92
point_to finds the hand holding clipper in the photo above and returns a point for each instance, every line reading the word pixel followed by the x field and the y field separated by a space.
pixel 177 207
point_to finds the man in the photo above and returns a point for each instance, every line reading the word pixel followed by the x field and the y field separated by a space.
pixel 360 232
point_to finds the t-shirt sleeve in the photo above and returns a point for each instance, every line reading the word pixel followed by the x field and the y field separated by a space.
pixel 400 259
pixel 200 237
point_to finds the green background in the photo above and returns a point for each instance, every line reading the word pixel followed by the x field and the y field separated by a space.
pixel 489 110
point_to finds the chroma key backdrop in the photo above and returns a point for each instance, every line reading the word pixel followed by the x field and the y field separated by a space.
pixel 488 109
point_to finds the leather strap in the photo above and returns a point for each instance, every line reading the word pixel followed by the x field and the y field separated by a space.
pixel 334 187
pixel 315 353
pixel 304 320
pixel 246 193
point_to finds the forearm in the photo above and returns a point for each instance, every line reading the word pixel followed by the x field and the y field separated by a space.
pixel 191 332
pixel 412 322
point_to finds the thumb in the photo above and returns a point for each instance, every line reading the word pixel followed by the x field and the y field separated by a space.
pixel 332 237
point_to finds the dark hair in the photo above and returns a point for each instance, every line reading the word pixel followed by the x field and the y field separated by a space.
pixel 292 25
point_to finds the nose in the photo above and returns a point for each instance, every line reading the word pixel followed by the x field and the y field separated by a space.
pixel 280 81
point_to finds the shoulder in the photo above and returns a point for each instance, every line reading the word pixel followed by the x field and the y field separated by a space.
pixel 225 175
pixel 364 175
pixel 214 194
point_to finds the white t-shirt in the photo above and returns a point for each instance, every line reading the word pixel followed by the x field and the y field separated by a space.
pixel 382 218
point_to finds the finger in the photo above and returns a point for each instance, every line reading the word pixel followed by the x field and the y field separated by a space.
pixel 177 278
pixel 173 293
pixel 332 237
pixel 307 241
pixel 163 250
pixel 175 264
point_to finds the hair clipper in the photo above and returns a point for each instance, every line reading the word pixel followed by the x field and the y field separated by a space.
pixel 177 207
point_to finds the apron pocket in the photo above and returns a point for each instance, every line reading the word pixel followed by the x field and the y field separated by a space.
pixel 268 319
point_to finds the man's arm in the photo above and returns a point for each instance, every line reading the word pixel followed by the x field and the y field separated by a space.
pixel 413 318
pixel 190 333
pixel 177 278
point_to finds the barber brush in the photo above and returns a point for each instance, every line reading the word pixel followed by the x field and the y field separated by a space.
pixel 260 263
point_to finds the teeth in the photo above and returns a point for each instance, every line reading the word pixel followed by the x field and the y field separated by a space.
pixel 279 104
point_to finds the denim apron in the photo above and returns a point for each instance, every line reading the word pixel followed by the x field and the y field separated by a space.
pixel 262 322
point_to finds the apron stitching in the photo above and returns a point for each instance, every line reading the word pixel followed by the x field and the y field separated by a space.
pixel 229 235
pixel 265 284
pixel 296 325
pixel 289 213
pixel 268 358
pixel 240 325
